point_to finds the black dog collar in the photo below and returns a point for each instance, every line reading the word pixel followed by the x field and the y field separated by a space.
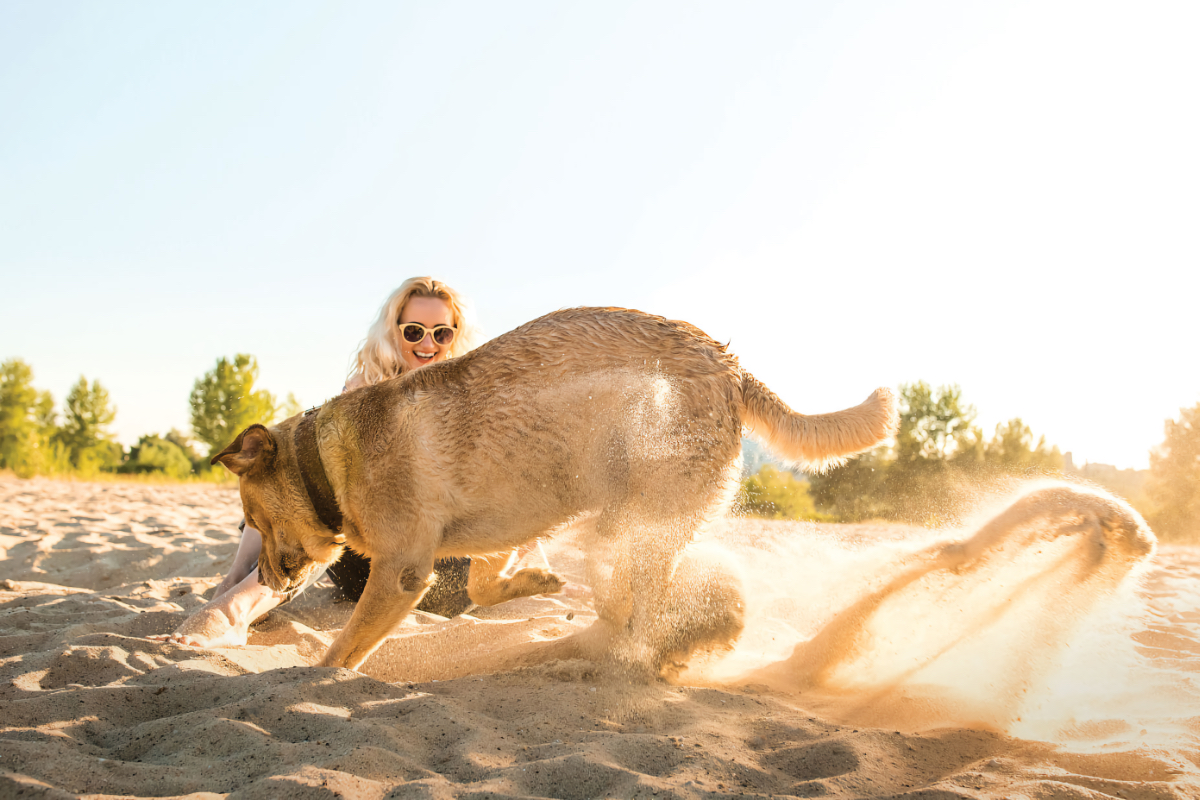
pixel 312 472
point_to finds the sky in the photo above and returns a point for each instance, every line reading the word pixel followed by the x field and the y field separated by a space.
pixel 999 196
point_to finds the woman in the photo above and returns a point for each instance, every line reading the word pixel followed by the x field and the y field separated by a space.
pixel 422 322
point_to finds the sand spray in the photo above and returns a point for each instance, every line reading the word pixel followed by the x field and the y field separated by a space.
pixel 1024 619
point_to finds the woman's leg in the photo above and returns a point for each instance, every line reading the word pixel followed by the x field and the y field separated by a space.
pixel 245 562
pixel 447 597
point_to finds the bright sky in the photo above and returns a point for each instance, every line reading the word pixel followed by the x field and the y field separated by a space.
pixel 1000 195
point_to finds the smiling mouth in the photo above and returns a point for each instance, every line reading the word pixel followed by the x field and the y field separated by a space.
pixel 422 356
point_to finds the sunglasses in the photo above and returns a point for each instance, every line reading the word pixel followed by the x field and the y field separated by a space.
pixel 414 332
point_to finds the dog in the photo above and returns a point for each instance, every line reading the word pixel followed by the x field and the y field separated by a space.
pixel 628 422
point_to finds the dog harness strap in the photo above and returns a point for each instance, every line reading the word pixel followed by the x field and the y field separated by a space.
pixel 312 472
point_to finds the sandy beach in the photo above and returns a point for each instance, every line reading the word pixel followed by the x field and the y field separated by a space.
pixel 1105 706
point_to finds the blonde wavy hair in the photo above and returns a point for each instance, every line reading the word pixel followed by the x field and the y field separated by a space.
pixel 379 358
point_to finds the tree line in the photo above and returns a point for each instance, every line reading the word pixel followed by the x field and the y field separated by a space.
pixel 940 460
pixel 37 438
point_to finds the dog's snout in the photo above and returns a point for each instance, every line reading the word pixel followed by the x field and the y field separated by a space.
pixel 290 564
pixel 267 574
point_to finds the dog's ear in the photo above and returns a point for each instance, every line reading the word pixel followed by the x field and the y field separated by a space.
pixel 252 450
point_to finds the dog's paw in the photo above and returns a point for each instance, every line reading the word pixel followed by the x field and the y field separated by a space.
pixel 543 581
pixel 533 581
pixel 524 583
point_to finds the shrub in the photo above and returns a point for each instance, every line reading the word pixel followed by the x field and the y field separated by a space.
pixel 156 454
pixel 84 432
pixel 776 494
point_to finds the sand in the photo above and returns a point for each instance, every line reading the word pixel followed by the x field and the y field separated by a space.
pixel 1104 707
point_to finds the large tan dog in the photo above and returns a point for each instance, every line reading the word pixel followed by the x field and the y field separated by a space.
pixel 623 420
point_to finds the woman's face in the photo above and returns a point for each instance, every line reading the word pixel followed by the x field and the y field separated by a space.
pixel 430 312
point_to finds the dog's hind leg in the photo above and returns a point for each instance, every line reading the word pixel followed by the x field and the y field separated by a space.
pixel 608 568
pixel 662 601
pixel 393 589
pixel 631 558
pixel 487 585
pixel 704 609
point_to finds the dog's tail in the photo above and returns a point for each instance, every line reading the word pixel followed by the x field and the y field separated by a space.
pixel 816 441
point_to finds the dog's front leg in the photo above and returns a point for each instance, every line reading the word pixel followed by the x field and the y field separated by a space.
pixel 393 589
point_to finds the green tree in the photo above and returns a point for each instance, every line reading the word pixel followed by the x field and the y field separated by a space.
pixel 155 453
pixel 857 490
pixel 26 421
pixel 1174 483
pixel 776 494
pixel 45 415
pixel 935 424
pixel 1012 450
pixel 87 414
pixel 935 441
pixel 938 461
pixel 18 409
pixel 291 407
pixel 224 402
